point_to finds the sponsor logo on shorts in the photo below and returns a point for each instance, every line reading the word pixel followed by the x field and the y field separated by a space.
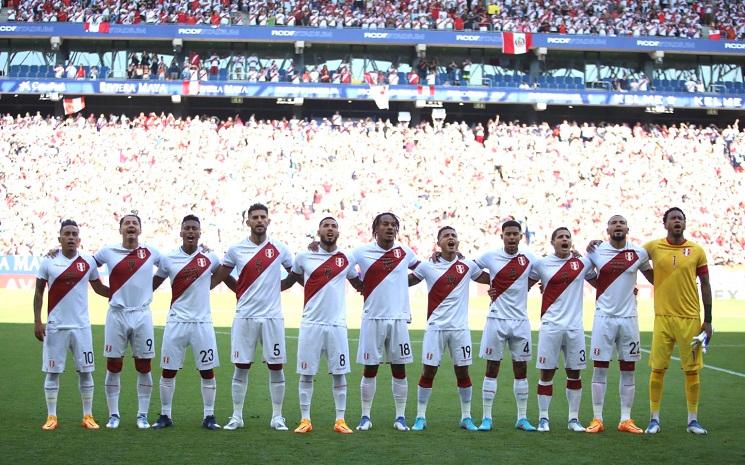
pixel 542 359
pixel 596 351
pixel 108 348
pixel 166 359
pixel 429 355
pixel 303 365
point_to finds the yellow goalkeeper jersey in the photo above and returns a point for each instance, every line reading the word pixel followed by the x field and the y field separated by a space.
pixel 676 268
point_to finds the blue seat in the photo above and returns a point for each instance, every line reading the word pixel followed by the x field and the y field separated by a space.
pixel 223 74
pixel 23 71
pixel 103 72
pixel 14 70
pixel 33 71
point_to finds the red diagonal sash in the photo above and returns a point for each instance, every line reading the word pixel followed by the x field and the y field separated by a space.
pixel 188 275
pixel 126 268
pixel 560 281
pixel 253 269
pixel 381 268
pixel 324 274
pixel 445 285
pixel 66 281
pixel 615 267
pixel 509 273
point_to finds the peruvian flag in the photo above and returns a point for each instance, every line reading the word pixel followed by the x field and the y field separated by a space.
pixel 380 96
pixel 715 34
pixel 190 88
pixel 96 27
pixel 516 43
pixel 73 105
pixel 421 93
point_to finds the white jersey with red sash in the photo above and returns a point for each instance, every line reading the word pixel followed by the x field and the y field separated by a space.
pixel 616 270
pixel 325 275
pixel 447 286
pixel 509 278
pixel 384 275
pixel 259 268
pixel 67 279
pixel 190 276
pixel 563 281
pixel 130 274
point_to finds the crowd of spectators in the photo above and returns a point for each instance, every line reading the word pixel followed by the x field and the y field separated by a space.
pixel 95 169
pixel 671 18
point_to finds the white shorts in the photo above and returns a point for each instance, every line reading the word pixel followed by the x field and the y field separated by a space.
pixel 315 340
pixel 570 342
pixel 247 332
pixel 436 341
pixel 498 332
pixel 384 341
pixel 621 334
pixel 56 344
pixel 129 327
pixel 200 336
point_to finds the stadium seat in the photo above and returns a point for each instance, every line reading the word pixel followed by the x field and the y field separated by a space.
pixel 223 74
pixel 13 71
pixel 103 72
pixel 33 71
pixel 23 71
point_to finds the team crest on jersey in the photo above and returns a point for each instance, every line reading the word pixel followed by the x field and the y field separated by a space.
pixel 269 253
pixel 629 256
pixel 686 251
pixel 201 262
pixel 339 261
pixel 397 253
pixel 141 254
pixel 460 269
pixel 80 266
pixel 574 265
pixel 522 260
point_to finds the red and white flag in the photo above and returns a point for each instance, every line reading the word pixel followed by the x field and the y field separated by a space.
pixel 96 27
pixel 190 88
pixel 420 92
pixel 73 105
pixel 380 95
pixel 516 43
pixel 715 34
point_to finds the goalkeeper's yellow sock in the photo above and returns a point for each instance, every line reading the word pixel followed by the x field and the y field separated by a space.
pixel 656 382
pixel 693 390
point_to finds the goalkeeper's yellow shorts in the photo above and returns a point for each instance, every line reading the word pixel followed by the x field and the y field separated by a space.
pixel 671 330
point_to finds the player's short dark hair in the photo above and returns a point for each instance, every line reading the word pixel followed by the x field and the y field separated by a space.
pixel 254 207
pixel 512 224
pixel 670 210
pixel 444 228
pixel 67 223
pixel 556 231
pixel 327 218
pixel 191 218
pixel 121 220
pixel 377 219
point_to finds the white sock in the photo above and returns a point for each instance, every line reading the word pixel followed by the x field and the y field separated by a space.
pixel 692 416
pixel 167 387
pixel 574 398
pixel 520 389
pixel 627 389
pixel 400 388
pixel 488 392
pixel 238 389
pixel 339 391
pixel 544 401
pixel 466 393
pixel 277 391
pixel 367 394
pixel 144 391
pixel 209 392
pixel 422 396
pixel 599 386
pixel 85 385
pixel 305 393
pixel 112 388
pixel 51 391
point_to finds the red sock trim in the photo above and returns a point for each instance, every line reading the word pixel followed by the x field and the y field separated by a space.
pixel 426 382
pixel 518 378
pixel 545 390
pixel 465 382
pixel 274 366
pixel 114 366
pixel 601 364
pixel 626 366
pixel 142 365
pixel 574 384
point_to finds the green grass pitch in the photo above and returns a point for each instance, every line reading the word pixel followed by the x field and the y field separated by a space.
pixel 23 412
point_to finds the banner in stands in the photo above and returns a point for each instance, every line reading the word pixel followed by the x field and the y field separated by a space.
pixel 364 36
pixel 362 92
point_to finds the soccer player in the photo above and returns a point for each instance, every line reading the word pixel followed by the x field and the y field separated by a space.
pixel 384 336
pixel 189 320
pixel 616 326
pixel 129 319
pixel 67 274
pixel 507 321
pixel 323 328
pixel 258 318
pixel 677 263
pixel 448 279
pixel 562 275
